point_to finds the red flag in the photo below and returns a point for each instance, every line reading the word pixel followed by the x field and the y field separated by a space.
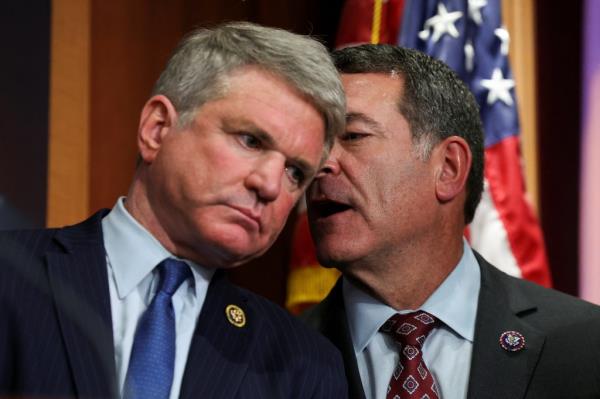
pixel 369 21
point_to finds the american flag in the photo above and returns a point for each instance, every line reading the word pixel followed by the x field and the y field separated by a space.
pixel 470 37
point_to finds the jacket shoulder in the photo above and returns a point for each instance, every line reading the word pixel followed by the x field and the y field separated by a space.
pixel 37 241
pixel 540 305
pixel 321 316
pixel 279 322
pixel 309 356
pixel 34 240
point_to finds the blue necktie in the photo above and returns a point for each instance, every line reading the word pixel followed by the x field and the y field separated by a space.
pixel 150 372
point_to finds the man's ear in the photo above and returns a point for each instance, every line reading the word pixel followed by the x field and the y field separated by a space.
pixel 158 118
pixel 455 158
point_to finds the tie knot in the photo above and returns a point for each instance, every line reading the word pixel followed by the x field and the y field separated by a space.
pixel 172 272
pixel 411 328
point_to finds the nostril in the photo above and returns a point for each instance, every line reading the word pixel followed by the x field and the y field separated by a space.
pixel 323 172
pixel 329 168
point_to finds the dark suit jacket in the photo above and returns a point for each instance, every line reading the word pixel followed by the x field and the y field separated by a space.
pixel 56 333
pixel 561 358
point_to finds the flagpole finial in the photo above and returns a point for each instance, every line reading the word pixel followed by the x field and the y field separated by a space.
pixel 376 25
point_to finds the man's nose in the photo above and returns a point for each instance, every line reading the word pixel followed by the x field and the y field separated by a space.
pixel 331 165
pixel 266 178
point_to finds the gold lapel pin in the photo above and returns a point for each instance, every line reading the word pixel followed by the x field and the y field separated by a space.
pixel 235 315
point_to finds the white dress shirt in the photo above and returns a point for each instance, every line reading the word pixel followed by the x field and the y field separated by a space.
pixel 447 350
pixel 132 254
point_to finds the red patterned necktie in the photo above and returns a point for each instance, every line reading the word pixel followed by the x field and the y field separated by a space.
pixel 411 378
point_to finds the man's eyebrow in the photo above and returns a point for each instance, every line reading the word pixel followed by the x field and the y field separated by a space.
pixel 268 141
pixel 265 138
pixel 367 120
pixel 249 127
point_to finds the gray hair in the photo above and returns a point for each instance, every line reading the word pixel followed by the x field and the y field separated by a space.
pixel 197 71
pixel 435 102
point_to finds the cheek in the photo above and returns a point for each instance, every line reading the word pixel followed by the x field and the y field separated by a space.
pixel 380 184
pixel 397 191
pixel 213 175
pixel 282 208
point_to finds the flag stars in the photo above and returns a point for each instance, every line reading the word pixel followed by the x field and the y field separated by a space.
pixel 502 34
pixel 475 7
pixel 499 88
pixel 441 23
pixel 469 56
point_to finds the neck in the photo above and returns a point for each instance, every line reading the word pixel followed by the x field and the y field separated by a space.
pixel 140 209
pixel 404 278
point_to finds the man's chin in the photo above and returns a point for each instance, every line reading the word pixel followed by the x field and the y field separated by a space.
pixel 333 258
pixel 240 258
pixel 231 245
pixel 224 252
pixel 231 257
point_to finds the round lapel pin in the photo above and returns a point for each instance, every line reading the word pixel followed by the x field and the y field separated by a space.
pixel 235 315
pixel 512 341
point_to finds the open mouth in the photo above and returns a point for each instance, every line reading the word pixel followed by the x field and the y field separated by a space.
pixel 323 209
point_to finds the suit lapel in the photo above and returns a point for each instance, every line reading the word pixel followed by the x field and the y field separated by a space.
pixel 495 372
pixel 335 327
pixel 79 284
pixel 220 351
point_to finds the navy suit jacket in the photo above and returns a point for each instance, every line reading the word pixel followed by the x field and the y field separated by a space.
pixel 56 335
pixel 561 358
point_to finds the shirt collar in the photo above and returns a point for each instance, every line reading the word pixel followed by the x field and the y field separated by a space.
pixel 454 302
pixel 133 252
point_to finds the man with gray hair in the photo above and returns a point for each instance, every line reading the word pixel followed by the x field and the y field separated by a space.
pixel 132 302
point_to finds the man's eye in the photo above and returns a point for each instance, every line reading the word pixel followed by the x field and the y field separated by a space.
pixel 353 136
pixel 250 141
pixel 295 174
